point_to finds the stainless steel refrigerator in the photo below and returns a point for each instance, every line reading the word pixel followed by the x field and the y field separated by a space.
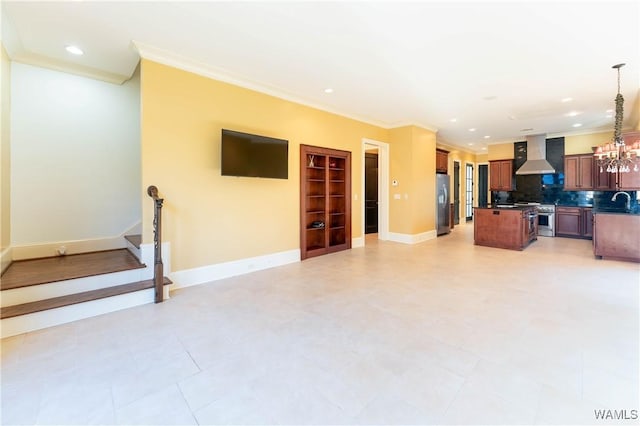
pixel 442 204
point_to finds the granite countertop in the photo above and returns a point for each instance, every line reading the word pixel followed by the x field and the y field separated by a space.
pixel 573 205
pixel 505 207
pixel 633 212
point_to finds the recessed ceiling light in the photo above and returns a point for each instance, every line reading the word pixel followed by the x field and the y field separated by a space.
pixel 609 110
pixel 75 50
pixel 453 120
pixel 328 90
pixel 473 129
pixel 487 136
pixel 572 114
pixel 471 144
pixel 577 125
pixel 566 99
pixel 484 148
pixel 609 116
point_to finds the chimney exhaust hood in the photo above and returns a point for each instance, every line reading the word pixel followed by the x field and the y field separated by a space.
pixel 536 163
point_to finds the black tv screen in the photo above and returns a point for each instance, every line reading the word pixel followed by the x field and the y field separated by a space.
pixel 244 154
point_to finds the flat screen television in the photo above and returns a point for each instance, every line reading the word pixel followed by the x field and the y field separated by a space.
pixel 244 154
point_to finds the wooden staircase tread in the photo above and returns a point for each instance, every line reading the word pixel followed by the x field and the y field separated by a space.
pixel 72 299
pixel 135 239
pixel 24 273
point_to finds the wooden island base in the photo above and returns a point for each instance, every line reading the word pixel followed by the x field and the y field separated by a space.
pixel 507 228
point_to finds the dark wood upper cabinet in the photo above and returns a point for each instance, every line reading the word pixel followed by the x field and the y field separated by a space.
pixel 442 161
pixel 501 175
pixel 578 170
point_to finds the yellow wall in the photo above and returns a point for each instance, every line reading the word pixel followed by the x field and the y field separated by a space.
pixel 423 194
pixel 502 151
pixel 400 146
pixel 413 165
pixel 634 113
pixel 5 152
pixel 209 218
pixel 582 144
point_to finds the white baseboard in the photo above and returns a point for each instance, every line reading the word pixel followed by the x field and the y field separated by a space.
pixel 357 242
pixel 33 251
pixel 204 274
pixel 6 256
pixel 412 238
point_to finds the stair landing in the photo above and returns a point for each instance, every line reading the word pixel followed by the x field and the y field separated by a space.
pixel 25 273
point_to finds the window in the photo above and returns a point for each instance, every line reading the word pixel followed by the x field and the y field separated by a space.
pixel 469 192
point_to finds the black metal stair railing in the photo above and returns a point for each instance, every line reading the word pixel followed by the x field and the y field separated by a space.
pixel 158 268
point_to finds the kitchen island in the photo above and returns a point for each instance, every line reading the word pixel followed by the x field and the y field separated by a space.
pixel 616 236
pixel 505 226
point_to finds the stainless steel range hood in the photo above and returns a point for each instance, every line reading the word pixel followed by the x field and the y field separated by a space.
pixel 536 163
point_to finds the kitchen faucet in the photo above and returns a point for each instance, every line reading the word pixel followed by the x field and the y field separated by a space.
pixel 627 205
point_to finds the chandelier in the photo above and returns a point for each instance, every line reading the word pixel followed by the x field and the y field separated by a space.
pixel 615 156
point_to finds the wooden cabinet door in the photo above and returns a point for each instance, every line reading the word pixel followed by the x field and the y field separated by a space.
pixel 571 165
pixel 603 180
pixel 578 171
pixel 494 176
pixel 500 175
pixel 442 161
pixel 569 221
pixel 506 172
pixel 587 222
pixel 586 172
pixel 630 181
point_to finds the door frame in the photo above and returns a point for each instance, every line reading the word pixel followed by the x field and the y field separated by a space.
pixel 456 189
pixel 467 191
pixel 488 193
pixel 368 156
pixel 383 188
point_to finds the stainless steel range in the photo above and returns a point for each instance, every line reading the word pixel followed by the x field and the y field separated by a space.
pixel 546 218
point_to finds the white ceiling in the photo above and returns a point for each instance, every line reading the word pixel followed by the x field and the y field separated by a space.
pixel 498 67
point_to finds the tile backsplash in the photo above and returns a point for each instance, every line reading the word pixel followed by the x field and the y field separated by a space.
pixel 548 189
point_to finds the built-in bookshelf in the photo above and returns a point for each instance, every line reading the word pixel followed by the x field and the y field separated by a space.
pixel 325 200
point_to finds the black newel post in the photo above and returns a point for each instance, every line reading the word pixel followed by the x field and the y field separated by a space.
pixel 158 272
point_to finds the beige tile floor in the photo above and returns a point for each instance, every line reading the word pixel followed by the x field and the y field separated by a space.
pixel 441 332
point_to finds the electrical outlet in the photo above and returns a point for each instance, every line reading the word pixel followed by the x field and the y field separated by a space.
pixel 62 250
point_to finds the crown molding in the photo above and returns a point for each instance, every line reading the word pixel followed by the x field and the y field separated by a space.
pixel 62 66
pixel 184 63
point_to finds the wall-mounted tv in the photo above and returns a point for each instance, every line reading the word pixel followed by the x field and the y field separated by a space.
pixel 244 154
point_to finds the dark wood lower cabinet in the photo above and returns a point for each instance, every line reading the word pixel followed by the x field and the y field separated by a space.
pixel 587 215
pixel 575 222
pixel 512 229
pixel 616 236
